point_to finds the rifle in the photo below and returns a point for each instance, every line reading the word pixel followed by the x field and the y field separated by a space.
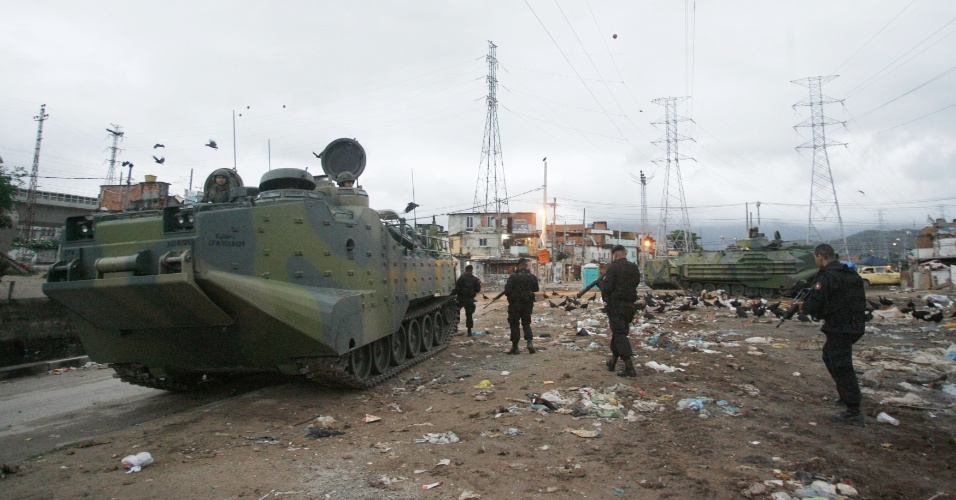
pixel 589 287
pixel 801 296
pixel 494 299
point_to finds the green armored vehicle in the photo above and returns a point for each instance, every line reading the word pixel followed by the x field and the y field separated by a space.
pixel 752 267
pixel 296 276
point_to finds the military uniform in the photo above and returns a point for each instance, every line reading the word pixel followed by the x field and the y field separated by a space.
pixel 839 299
pixel 619 290
pixel 520 290
pixel 217 194
pixel 466 288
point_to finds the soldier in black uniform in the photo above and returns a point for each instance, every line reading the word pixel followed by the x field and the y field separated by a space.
pixel 619 290
pixel 839 299
pixel 520 290
pixel 466 288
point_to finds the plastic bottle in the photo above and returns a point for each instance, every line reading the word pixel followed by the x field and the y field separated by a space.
pixel 886 419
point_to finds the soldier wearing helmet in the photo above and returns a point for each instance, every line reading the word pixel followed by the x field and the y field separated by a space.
pixel 217 186
pixel 345 179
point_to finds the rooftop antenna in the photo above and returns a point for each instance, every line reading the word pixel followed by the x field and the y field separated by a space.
pixel 27 227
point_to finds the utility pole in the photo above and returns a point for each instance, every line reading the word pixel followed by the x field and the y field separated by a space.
pixel 26 229
pixel 117 134
pixel 823 198
pixel 544 203
pixel 886 249
pixel 673 186
pixel 491 188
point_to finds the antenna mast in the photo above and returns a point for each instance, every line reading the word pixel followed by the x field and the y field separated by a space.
pixel 26 228
pixel 823 198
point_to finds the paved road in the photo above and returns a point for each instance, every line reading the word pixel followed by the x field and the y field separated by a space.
pixel 40 413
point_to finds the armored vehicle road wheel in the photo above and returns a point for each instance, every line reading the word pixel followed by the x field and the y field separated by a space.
pixel 738 290
pixel 414 338
pixel 428 333
pixel 767 293
pixel 696 288
pixel 441 328
pixel 399 345
pixel 381 355
pixel 360 362
pixel 710 287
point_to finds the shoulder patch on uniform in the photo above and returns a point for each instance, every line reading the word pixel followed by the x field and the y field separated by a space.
pixel 817 286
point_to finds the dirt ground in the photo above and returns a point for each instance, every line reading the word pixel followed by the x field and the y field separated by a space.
pixel 765 429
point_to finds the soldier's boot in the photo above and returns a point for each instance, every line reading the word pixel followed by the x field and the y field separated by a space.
pixel 469 332
pixel 611 363
pixel 531 349
pixel 628 370
pixel 852 416
pixel 514 348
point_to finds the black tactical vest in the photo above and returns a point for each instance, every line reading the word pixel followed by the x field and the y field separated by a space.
pixel 847 301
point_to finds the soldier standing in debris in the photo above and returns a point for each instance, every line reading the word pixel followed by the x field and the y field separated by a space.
pixel 466 288
pixel 619 290
pixel 839 299
pixel 520 290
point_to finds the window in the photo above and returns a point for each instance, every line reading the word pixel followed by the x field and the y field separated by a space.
pixel 482 242
pixel 470 222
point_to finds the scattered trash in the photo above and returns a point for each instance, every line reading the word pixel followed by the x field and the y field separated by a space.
pixel 262 439
pixel 430 486
pixel 324 421
pixel 583 333
pixel 438 438
pixel 584 433
pixel 884 418
pixel 370 418
pixel 512 432
pixel 796 374
pixel 505 373
pixel 135 463
pixel 485 384
pixel 654 365
pixel 594 345
pixel 444 461
pixel 468 495
pixel 478 333
pixel 322 432
pixel 695 404
pixel 731 410
pixel 757 340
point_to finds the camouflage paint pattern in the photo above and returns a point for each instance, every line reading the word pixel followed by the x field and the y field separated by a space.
pixel 253 285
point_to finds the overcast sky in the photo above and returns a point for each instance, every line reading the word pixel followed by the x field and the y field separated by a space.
pixel 407 79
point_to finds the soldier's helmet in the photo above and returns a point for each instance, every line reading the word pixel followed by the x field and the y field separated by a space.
pixel 345 177
pixel 224 172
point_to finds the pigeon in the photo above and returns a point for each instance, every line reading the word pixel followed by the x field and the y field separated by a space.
pixel 411 206
pixel 160 160
pixel 742 312
pixel 212 144
pixel 158 145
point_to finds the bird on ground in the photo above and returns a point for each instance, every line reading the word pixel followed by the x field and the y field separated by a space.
pixel 774 306
pixel 660 308
pixel 641 306
pixel 570 307
pixel 884 301
pixel 484 296
pixel 212 144
pixel 759 311
pixel 920 315
pixel 931 303
pixel 554 294
pixel 741 312
pixel 158 145
pixel 874 305
pixel 936 317
pixel 563 302
pixel 317 155
pixel 868 316
pixel 707 304
pixel 912 305
pixel 552 304
pixel 411 206
pixel 159 160
pixel 648 316
pixel 593 298
pixel 584 305
pixel 650 300
pixel 686 307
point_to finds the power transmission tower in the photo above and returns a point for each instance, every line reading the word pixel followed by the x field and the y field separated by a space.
pixel 490 191
pixel 26 229
pixel 886 249
pixel 644 227
pixel 823 198
pixel 673 204
pixel 117 134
